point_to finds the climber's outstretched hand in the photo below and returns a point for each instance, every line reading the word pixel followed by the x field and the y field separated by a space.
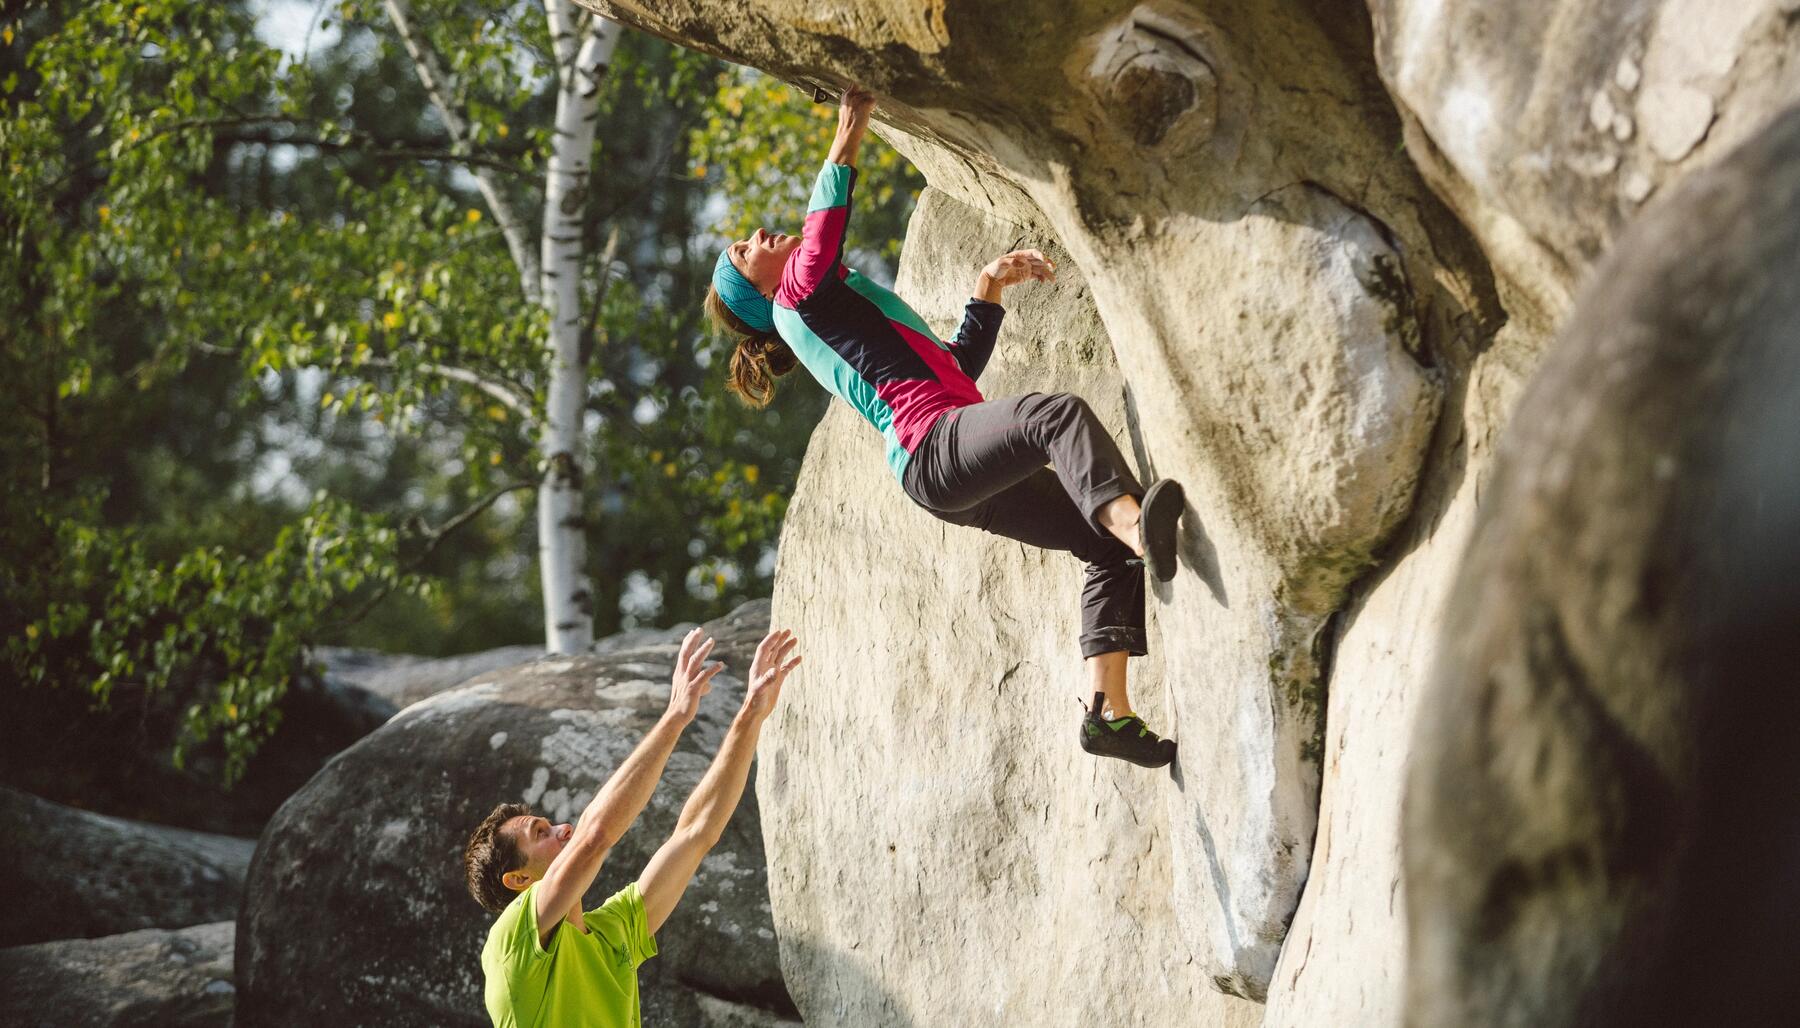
pixel 1013 268
pixel 853 120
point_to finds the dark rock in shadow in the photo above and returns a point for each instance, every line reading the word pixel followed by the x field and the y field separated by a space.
pixel 1601 822
pixel 71 874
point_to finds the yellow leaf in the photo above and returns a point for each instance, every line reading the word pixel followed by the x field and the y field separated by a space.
pixel 105 213
pixel 496 412
pixel 699 171
pixel 265 278
pixel 501 130
pixel 31 631
pixel 390 320
pixel 325 401
pixel 750 473
pixel 669 470
pixel 7 32
pixel 473 215
pixel 231 711
pixel 494 459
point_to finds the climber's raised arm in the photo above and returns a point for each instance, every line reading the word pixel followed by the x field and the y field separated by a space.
pixel 624 795
pixel 828 211
pixel 707 811
pixel 974 340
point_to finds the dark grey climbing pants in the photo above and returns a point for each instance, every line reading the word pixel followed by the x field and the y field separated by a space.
pixel 984 466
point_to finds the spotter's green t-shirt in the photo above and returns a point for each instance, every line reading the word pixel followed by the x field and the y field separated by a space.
pixel 587 979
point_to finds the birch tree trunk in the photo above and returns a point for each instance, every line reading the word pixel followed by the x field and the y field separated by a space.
pixel 583 44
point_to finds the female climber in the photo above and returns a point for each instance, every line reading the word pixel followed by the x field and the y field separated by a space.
pixel 966 459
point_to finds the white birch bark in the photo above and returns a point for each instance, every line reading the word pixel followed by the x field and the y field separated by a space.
pixel 583 47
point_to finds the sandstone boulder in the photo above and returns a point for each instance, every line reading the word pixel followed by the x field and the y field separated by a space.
pixel 397 679
pixel 1601 821
pixel 357 911
pixel 1310 254
pixel 153 978
pixel 74 875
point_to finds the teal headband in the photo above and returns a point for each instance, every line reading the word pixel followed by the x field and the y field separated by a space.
pixel 751 307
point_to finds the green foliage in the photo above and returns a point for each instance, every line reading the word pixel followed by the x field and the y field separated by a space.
pixel 231 289
pixel 228 628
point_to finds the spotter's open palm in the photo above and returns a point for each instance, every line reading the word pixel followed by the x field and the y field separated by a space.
pixel 775 657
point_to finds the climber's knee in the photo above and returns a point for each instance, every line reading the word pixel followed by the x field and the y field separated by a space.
pixel 1063 408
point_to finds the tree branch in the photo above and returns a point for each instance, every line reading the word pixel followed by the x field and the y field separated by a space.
pixel 441 88
pixel 507 394
pixel 433 537
pixel 369 147
pixel 607 256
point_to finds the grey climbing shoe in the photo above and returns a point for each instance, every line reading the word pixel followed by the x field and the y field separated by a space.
pixel 1158 522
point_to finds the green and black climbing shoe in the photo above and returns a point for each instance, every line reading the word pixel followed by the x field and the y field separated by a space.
pixel 1127 738
pixel 1162 507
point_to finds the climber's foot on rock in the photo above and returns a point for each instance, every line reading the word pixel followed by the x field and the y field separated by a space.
pixel 1126 738
pixel 1161 514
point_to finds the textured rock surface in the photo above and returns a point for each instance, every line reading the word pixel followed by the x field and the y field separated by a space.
pixel 1259 266
pixel 398 679
pixel 1545 123
pixel 356 909
pixel 153 978
pixel 1320 256
pixel 964 828
pixel 72 874
pixel 1601 821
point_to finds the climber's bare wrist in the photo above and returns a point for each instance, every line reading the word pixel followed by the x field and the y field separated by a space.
pixel 988 288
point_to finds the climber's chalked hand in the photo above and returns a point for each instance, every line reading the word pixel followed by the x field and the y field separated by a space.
pixel 1021 266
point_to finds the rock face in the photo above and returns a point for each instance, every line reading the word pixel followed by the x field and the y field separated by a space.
pixel 1611 838
pixel 356 908
pixel 1309 260
pixel 152 978
pixel 397 679
pixel 75 875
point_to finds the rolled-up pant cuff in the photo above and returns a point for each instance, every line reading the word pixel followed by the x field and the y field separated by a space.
pixel 1112 640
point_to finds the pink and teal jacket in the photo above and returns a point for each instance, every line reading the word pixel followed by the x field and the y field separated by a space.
pixel 863 343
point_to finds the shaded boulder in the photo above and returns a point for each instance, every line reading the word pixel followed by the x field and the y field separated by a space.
pixel 393 680
pixel 71 874
pixel 153 978
pixel 358 911
pixel 1601 821
pixel 56 747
